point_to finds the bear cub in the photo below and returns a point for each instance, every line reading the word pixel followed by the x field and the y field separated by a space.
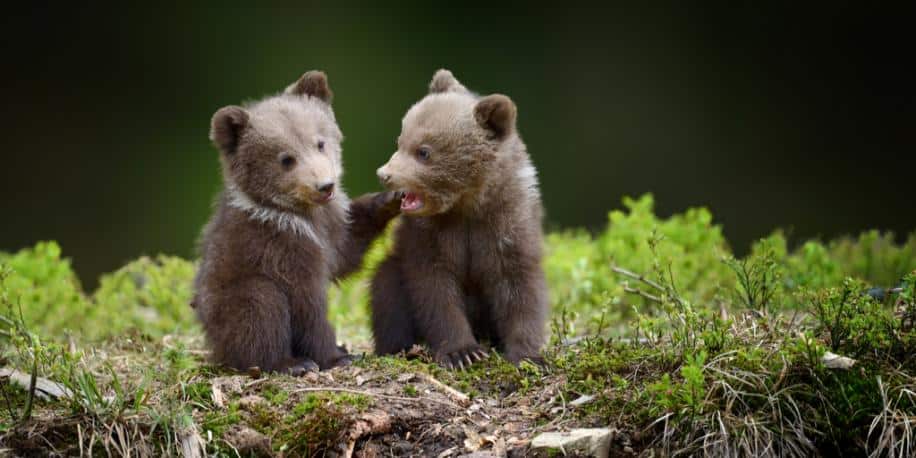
pixel 282 229
pixel 466 262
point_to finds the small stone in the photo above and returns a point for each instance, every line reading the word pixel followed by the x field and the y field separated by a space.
pixel 594 442
pixel 834 361
pixel 582 400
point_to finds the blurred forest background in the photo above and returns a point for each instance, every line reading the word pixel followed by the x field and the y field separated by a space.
pixel 797 116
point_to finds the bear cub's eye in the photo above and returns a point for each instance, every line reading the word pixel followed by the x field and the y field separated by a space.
pixel 321 145
pixel 287 161
pixel 423 153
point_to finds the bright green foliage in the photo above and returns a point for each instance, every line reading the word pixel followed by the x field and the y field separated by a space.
pixel 874 257
pixel 687 247
pixel 149 294
pixel 44 287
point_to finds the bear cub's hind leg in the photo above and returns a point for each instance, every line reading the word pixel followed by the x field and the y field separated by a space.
pixel 258 333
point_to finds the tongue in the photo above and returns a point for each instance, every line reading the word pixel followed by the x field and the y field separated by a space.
pixel 411 202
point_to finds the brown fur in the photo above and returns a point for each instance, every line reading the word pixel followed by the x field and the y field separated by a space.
pixel 467 265
pixel 275 240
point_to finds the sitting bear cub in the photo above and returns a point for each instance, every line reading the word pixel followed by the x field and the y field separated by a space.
pixel 466 263
pixel 281 231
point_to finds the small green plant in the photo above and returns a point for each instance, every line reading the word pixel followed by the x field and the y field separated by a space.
pixel 851 321
pixel 758 277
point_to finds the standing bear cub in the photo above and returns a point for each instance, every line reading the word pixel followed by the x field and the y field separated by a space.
pixel 281 231
pixel 466 263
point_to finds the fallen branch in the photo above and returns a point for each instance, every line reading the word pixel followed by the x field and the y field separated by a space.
pixel 377 422
pixel 457 396
pixel 44 388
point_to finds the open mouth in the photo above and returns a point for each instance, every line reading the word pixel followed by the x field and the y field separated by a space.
pixel 324 198
pixel 411 202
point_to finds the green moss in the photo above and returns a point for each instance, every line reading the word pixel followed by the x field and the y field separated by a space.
pixel 312 425
pixel 314 433
pixel 411 391
pixel 219 421
pixel 274 394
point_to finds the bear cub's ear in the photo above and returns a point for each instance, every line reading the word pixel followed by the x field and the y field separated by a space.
pixel 496 113
pixel 227 126
pixel 444 81
pixel 312 84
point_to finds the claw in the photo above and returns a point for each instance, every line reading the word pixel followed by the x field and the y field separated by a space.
pixel 468 359
pixel 481 355
pixel 460 364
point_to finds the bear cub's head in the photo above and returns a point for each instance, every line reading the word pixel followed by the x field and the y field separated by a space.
pixel 282 152
pixel 449 146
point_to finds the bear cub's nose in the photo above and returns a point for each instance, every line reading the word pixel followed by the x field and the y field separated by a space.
pixel 326 188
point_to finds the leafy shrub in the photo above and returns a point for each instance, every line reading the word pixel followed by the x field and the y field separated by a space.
pixel 149 295
pixel 44 287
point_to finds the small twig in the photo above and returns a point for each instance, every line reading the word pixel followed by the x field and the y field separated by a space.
pixel 375 395
pixel 635 276
pixel 256 382
pixel 642 293
pixel 459 397
pixel 31 398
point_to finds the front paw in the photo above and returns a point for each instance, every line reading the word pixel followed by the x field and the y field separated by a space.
pixel 342 361
pixel 341 358
pixel 461 358
pixel 389 203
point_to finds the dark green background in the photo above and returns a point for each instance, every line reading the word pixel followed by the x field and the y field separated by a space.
pixel 797 116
